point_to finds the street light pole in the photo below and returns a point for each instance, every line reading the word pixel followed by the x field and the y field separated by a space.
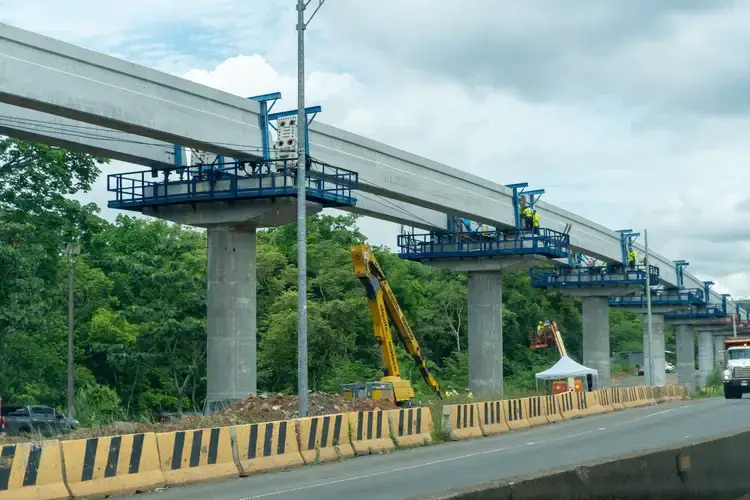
pixel 650 355
pixel 302 208
pixel 72 251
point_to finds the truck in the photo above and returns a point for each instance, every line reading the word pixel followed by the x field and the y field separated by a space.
pixel 736 375
pixel 47 421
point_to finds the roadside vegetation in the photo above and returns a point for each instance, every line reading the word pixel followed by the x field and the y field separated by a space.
pixel 140 304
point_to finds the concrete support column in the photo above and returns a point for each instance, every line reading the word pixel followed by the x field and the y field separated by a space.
pixel 685 357
pixel 596 337
pixel 486 332
pixel 659 377
pixel 231 328
pixel 705 356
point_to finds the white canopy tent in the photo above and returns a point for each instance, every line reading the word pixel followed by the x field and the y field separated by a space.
pixel 566 368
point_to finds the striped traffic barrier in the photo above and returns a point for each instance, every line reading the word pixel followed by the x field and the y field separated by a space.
pixel 515 414
pixel 492 418
pixel 535 410
pixel 461 421
pixel 371 432
pixel 552 409
pixel 112 465
pixel 324 438
pixel 267 446
pixel 197 455
pixel 411 427
pixel 32 471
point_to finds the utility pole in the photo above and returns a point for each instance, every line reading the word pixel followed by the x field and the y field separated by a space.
pixel 649 351
pixel 72 251
pixel 302 208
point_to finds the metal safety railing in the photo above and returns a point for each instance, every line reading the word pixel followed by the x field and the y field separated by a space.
pixel 609 275
pixel 681 297
pixel 483 243
pixel 331 186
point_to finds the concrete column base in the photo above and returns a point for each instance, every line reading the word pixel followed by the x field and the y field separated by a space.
pixel 659 377
pixel 486 332
pixel 705 356
pixel 596 337
pixel 685 357
pixel 231 322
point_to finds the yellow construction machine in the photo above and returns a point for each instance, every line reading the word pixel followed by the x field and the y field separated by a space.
pixel 383 305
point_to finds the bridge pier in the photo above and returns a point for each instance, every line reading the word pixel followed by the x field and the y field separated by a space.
pixel 485 308
pixel 596 353
pixel 705 356
pixel 485 297
pixel 655 350
pixel 685 357
pixel 231 356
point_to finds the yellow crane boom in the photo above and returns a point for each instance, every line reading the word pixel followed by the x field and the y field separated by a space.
pixel 383 305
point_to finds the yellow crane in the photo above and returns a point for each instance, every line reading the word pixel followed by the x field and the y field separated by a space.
pixel 383 305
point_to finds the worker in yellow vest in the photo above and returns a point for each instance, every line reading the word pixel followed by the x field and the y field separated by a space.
pixel 536 222
pixel 632 257
pixel 528 217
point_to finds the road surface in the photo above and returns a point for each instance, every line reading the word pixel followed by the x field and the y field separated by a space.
pixel 434 469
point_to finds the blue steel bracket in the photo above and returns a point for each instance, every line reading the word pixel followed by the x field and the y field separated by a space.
pixel 463 244
pixel 679 267
pixel 263 119
pixel 684 297
pixel 518 191
pixel 328 185
pixel 594 276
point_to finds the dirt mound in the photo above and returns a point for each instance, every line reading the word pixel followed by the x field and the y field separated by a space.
pixel 253 409
pixel 268 407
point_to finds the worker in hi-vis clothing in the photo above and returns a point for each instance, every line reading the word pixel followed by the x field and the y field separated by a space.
pixel 536 222
pixel 450 392
pixel 632 257
pixel 528 217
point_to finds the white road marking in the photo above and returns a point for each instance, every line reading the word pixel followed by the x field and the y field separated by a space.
pixel 444 460
pixel 602 429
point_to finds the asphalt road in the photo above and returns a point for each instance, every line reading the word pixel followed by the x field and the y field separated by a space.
pixel 434 469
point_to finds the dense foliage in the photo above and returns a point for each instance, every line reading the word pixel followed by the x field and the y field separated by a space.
pixel 140 302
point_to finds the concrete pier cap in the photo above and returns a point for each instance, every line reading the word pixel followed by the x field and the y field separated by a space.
pixel 231 329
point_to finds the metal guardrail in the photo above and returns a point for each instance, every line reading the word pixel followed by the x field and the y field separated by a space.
pixel 684 297
pixel 610 275
pixel 331 186
pixel 710 312
pixel 463 244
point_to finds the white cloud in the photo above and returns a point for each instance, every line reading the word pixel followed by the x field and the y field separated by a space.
pixel 631 115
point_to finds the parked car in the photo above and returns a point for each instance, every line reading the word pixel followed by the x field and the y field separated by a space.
pixel 42 419
pixel 668 367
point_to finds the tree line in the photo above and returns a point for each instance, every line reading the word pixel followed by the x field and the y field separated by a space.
pixel 140 302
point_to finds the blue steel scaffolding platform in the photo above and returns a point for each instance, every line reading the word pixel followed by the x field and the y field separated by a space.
pixel 463 244
pixel 685 297
pixel 466 239
pixel 592 276
pixel 239 180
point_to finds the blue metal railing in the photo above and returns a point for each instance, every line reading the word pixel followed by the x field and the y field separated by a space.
pixel 478 244
pixel 610 275
pixel 331 186
pixel 707 313
pixel 683 297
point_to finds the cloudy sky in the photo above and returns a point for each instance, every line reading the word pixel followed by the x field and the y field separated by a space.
pixel 631 113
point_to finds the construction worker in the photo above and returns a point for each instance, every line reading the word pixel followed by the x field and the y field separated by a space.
pixel 528 217
pixel 469 394
pixel 632 257
pixel 450 392
pixel 539 328
pixel 535 219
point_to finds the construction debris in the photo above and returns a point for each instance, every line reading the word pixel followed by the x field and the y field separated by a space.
pixel 264 407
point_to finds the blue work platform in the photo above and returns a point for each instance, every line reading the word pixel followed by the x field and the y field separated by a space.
pixel 466 244
pixel 710 312
pixel 684 297
pixel 327 185
pixel 593 276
